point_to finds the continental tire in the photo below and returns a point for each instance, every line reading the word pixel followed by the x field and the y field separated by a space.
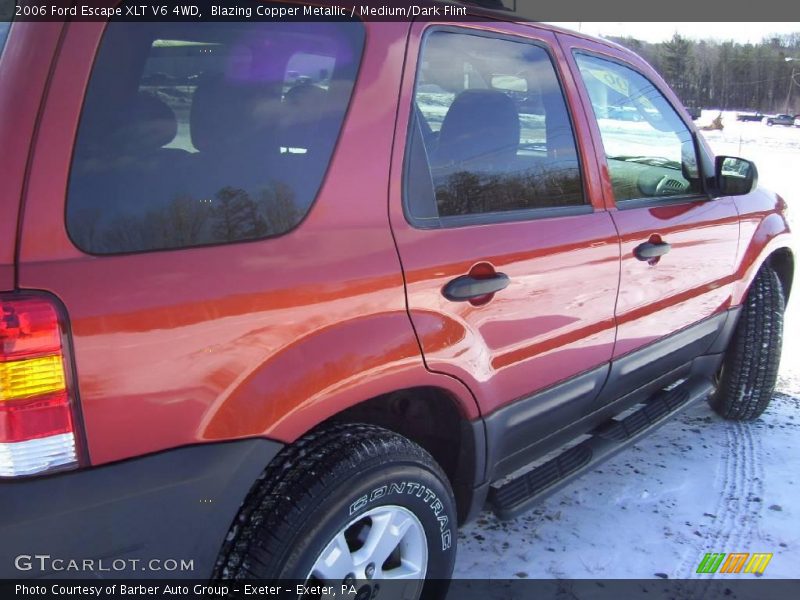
pixel 750 367
pixel 347 504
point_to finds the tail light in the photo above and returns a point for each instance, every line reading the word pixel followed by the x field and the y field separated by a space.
pixel 37 416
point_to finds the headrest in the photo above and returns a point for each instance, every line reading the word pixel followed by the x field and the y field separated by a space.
pixel 306 103
pixel 481 125
pixel 311 118
pixel 225 112
pixel 305 95
pixel 146 125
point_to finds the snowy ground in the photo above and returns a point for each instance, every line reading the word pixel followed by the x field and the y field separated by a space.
pixel 699 484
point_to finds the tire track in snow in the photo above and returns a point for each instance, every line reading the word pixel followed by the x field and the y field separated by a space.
pixel 741 516
pixel 738 504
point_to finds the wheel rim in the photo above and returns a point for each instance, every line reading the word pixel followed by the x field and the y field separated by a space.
pixel 387 542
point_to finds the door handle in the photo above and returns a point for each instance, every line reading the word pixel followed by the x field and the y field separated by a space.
pixel 467 287
pixel 650 250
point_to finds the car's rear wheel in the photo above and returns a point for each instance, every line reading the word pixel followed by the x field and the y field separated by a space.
pixel 746 380
pixel 348 505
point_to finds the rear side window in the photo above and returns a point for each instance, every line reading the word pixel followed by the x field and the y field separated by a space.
pixel 207 133
pixel 490 131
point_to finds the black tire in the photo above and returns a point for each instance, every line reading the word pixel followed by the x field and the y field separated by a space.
pixel 750 367
pixel 324 481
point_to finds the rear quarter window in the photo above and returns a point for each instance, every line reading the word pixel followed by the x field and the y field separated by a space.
pixel 207 133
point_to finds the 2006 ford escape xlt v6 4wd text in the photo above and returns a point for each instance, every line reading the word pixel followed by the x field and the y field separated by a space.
pixel 295 299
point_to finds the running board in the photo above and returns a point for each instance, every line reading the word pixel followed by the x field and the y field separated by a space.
pixel 520 494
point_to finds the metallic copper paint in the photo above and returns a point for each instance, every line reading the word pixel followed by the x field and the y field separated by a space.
pixel 555 319
pixel 695 279
pixel 236 340
pixel 26 62
pixel 269 338
pixel 690 283
pixel 763 230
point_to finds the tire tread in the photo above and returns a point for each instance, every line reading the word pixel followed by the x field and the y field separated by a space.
pixel 751 361
pixel 274 510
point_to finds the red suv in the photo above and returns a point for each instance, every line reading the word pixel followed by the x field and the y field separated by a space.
pixel 293 299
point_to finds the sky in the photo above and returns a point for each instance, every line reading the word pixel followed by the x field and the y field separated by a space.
pixel 658 32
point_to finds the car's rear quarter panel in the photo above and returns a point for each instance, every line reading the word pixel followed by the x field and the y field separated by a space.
pixel 264 338
pixel 24 67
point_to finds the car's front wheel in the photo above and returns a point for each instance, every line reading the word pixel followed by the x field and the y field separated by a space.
pixel 348 505
pixel 749 370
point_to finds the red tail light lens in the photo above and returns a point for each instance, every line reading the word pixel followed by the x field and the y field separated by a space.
pixel 28 327
pixel 37 426
pixel 35 418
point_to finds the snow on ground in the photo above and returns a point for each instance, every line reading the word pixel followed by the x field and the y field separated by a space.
pixel 699 484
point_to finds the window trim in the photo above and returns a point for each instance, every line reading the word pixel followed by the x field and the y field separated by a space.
pixel 655 202
pixel 522 214
pixel 645 201
pixel 489 218
pixel 311 205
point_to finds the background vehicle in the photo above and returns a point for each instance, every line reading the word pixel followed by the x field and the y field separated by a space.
pixel 787 120
pixel 225 337
pixel 750 116
pixel 695 112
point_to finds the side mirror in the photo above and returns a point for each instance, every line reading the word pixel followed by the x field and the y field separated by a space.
pixel 735 176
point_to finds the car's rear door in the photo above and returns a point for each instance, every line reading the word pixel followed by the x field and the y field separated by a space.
pixel 510 258
pixel 678 245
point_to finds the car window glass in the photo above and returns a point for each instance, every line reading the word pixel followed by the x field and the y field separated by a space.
pixel 649 150
pixel 5 29
pixel 207 133
pixel 490 131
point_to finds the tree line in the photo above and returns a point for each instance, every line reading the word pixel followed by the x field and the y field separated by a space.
pixel 728 75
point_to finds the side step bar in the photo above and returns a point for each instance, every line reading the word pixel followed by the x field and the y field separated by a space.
pixel 521 494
